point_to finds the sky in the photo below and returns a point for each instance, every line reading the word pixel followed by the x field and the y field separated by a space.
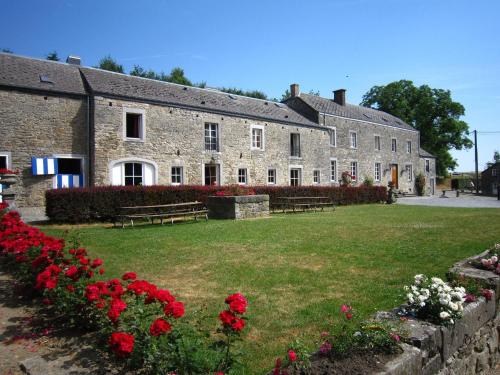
pixel 267 45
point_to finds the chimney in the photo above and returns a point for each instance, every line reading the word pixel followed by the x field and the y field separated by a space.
pixel 339 96
pixel 294 90
pixel 74 60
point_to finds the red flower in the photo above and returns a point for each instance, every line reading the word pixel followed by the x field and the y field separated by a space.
pixel 488 294
pixel 470 298
pixel 227 317
pixel 292 356
pixel 92 292
pixel 115 309
pixel 159 327
pixel 163 295
pixel 348 316
pixel 100 304
pixel 101 271
pixel 70 288
pixel 238 325
pixel 72 272
pixel 175 309
pixel 122 344
pixel 277 367
pixel 129 276
pixel 96 263
pixel 237 303
pixel 47 301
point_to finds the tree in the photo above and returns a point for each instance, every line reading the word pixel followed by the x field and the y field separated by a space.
pixel 496 156
pixel 431 111
pixel 177 76
pixel 108 63
pixel 7 50
pixel 53 56
pixel 252 94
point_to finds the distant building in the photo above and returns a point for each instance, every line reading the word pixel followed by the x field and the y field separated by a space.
pixel 490 179
pixel 65 125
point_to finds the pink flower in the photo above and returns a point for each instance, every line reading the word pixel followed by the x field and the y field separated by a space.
pixel 395 337
pixel 292 356
pixel 470 298
pixel 325 347
pixel 345 308
pixel 488 294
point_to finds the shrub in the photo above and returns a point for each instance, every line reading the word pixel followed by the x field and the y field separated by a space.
pixel 82 205
pixel 420 184
pixel 368 181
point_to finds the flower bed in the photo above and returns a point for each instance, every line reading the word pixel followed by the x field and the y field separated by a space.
pixel 142 324
pixel 102 203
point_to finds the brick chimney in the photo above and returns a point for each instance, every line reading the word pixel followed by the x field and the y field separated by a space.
pixel 74 60
pixel 294 90
pixel 339 96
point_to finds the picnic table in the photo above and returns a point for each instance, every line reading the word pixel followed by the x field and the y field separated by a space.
pixel 162 212
pixel 302 203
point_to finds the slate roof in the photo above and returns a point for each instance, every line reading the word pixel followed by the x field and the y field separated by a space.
pixel 324 105
pixel 425 154
pixel 23 72
pixel 122 85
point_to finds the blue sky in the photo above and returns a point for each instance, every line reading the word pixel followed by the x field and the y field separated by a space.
pixel 266 45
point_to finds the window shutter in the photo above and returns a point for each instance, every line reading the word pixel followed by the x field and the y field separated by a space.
pixel 43 166
pixel 148 174
pixel 116 174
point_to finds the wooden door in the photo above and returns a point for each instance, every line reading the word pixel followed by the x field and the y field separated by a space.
pixel 394 175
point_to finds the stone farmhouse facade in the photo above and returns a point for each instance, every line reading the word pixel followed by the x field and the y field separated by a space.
pixel 490 179
pixel 65 125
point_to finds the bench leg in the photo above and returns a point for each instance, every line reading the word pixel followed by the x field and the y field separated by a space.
pixel 206 217
pixel 161 221
pixel 132 222
pixel 123 222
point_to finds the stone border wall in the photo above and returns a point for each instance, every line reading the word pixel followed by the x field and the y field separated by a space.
pixel 238 207
pixel 470 346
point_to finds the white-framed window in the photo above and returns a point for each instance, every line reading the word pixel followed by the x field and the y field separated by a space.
pixel 211 174
pixel 408 147
pixel 316 176
pixel 242 176
pixel 409 172
pixel 333 137
pixel 295 145
pixel 377 171
pixel 354 139
pixel 211 136
pixel 271 176
pixel 333 170
pixel 257 136
pixel 295 176
pixel 427 165
pixel 354 170
pixel 132 171
pixel 4 160
pixel 134 124
pixel 394 145
pixel 377 143
pixel 177 175
pixel 494 172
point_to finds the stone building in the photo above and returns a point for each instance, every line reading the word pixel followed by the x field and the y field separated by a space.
pixel 65 125
pixel 490 179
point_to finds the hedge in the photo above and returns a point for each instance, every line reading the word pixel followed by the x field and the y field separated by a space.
pixel 83 205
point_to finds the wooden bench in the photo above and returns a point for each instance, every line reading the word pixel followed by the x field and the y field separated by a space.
pixel 162 212
pixel 302 203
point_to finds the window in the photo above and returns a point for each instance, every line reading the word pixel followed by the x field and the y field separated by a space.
pixel 377 171
pixel 354 139
pixel 393 145
pixel 211 136
pixel 176 176
pixel 377 142
pixel 354 170
pixel 408 147
pixel 295 145
pixel 316 176
pixel 333 171
pixel 295 176
pixel 3 162
pixel 133 174
pixel 69 166
pixel 257 137
pixel 271 176
pixel 242 176
pixel 333 137
pixel 409 171
pixel 494 172
pixel 134 124
pixel 427 165
pixel 211 174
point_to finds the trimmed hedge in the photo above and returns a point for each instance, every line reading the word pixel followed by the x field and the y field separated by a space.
pixel 83 205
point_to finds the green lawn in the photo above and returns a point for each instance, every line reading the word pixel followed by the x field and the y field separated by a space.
pixel 295 269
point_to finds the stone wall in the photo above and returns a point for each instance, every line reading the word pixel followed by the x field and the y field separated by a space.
pixel 41 126
pixel 238 207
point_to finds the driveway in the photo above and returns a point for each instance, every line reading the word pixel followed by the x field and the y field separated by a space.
pixel 465 200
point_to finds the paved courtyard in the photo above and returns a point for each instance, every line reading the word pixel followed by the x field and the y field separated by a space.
pixel 465 200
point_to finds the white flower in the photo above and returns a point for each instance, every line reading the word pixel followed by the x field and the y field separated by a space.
pixel 453 306
pixel 444 315
pixel 421 304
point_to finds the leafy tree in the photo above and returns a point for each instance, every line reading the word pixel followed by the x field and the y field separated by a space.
pixel 496 157
pixel 53 56
pixel 7 50
pixel 177 76
pixel 252 94
pixel 108 63
pixel 431 111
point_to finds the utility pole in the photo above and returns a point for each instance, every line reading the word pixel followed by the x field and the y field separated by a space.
pixel 475 154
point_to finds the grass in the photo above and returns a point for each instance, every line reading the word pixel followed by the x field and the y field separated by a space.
pixel 295 269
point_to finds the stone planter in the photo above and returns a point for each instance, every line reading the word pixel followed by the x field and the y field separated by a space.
pixel 7 180
pixel 238 207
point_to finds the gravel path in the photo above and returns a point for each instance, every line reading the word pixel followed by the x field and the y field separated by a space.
pixel 465 200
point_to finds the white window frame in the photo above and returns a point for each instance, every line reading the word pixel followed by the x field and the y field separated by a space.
pixel 334 177
pixel 377 171
pixel 375 138
pixel 218 170
pixel 8 156
pixel 244 176
pixel 181 168
pixel 142 130
pixel 316 173
pixel 394 145
pixel 83 166
pixel 409 171
pixel 300 145
pixel 408 147
pixel 217 137
pixel 354 175
pixel 275 176
pixel 143 161
pixel 351 133
pixel 332 131
pixel 294 167
pixel 262 138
